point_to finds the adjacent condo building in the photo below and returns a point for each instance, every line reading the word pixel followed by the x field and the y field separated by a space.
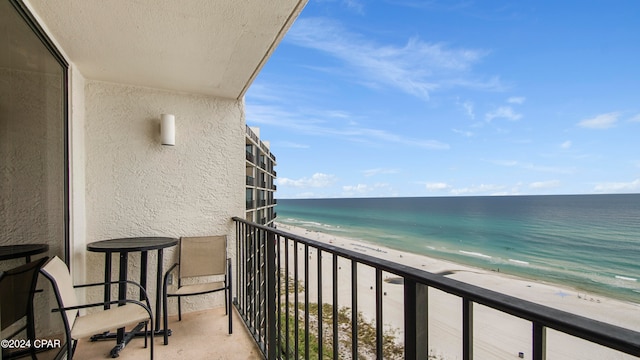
pixel 260 177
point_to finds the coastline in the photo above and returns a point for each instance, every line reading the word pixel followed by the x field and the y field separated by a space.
pixel 498 336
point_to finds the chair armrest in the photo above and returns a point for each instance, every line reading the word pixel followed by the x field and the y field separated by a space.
pixel 85 306
pixel 142 290
pixel 166 274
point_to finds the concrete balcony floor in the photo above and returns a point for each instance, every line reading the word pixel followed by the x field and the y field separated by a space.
pixel 200 335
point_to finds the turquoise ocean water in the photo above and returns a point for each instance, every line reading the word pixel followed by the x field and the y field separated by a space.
pixel 590 242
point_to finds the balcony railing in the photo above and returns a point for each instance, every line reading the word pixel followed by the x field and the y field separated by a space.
pixel 270 277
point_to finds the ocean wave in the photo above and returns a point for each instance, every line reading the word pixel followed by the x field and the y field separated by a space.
pixel 625 278
pixel 472 253
pixel 616 281
pixel 520 262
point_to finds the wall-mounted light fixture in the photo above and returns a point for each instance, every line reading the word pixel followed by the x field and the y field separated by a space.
pixel 168 129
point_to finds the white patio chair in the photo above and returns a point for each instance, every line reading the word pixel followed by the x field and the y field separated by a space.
pixel 129 312
pixel 204 256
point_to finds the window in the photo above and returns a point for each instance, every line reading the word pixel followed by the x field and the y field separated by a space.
pixel 33 134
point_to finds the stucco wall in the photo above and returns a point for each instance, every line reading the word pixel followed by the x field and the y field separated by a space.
pixel 137 187
pixel 77 187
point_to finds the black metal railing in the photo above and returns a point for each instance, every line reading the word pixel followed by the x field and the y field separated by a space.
pixel 270 277
pixel 250 157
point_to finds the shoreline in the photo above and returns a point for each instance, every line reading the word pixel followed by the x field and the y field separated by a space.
pixel 504 335
pixel 594 291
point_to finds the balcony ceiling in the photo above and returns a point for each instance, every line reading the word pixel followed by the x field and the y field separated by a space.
pixel 196 46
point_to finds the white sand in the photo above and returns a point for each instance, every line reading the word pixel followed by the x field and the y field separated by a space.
pixel 496 335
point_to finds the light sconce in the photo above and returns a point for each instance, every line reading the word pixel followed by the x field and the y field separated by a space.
pixel 168 129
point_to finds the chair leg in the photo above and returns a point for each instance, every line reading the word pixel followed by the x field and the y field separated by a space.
pixel 152 327
pixel 71 348
pixel 229 314
pixel 179 309
pixel 165 321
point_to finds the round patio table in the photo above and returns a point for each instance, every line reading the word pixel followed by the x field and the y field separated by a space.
pixel 124 246
pixel 22 250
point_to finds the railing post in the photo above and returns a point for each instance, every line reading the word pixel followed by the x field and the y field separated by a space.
pixel 416 320
pixel 410 340
pixel 539 341
pixel 260 266
pixel 354 309
pixel 422 321
pixel 272 313
pixel 467 329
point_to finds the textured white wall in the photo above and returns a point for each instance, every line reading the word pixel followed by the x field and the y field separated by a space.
pixel 137 187
pixel 77 187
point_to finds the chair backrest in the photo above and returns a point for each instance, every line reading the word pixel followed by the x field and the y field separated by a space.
pixel 203 256
pixel 17 287
pixel 57 272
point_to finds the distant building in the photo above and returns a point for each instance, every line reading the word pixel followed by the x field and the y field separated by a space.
pixel 260 176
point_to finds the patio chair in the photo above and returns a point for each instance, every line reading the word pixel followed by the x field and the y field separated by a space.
pixel 17 288
pixel 204 256
pixel 129 312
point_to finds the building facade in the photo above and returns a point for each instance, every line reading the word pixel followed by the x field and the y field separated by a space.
pixel 260 177
pixel 83 87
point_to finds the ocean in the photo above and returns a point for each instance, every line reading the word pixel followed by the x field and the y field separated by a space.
pixel 588 242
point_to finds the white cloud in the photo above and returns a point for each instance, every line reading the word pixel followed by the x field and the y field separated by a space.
pixel 468 106
pixel 566 145
pixel 618 187
pixel 545 184
pixel 602 121
pixel 289 144
pixel 533 167
pixel 360 188
pixel 317 180
pixel 379 189
pixel 507 163
pixel 463 133
pixel 503 112
pixel 355 5
pixel 635 118
pixel 438 186
pixel 378 171
pixel 479 189
pixel 319 123
pixel 416 68
pixel 516 100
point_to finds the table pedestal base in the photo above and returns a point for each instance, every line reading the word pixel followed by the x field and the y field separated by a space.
pixel 136 332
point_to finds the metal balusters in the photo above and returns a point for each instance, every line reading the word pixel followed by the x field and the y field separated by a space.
pixel 379 323
pixel 306 301
pixel 354 309
pixel 259 274
pixel 320 340
pixel 336 343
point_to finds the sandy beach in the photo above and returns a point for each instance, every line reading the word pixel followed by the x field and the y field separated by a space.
pixel 496 335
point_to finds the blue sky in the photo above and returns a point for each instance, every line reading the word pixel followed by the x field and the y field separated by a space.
pixel 454 98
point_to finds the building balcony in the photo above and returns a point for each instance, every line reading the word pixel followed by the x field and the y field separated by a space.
pixel 283 277
pixel 275 311
pixel 200 335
